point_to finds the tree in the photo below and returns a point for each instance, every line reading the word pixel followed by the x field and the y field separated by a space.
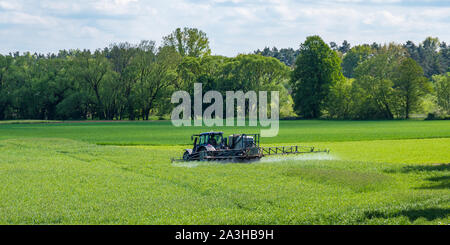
pixel 5 65
pixel 444 57
pixel 285 55
pixel 334 46
pixel 92 69
pixel 427 55
pixel 78 101
pixel 354 57
pixel 252 72
pixel 121 55
pixel 339 102
pixel 19 87
pixel 345 47
pixel 136 80
pixel 410 85
pixel 145 57
pixel 209 72
pixel 49 83
pixel 413 50
pixel 157 73
pixel 375 46
pixel 442 88
pixel 374 82
pixel 188 70
pixel 374 97
pixel 188 42
pixel 257 73
pixel 430 57
pixel 244 72
pixel 317 68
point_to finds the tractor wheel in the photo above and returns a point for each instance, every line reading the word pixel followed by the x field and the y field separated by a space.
pixel 186 156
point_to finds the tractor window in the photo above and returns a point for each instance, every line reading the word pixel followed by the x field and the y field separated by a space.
pixel 218 138
pixel 202 139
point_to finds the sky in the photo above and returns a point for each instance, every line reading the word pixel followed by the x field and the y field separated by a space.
pixel 232 26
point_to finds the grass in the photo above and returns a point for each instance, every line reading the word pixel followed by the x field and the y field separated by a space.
pixel 163 133
pixel 414 151
pixel 4 122
pixel 63 174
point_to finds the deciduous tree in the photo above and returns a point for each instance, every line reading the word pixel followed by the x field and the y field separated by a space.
pixel 410 85
pixel 188 42
pixel 354 57
pixel 442 88
pixel 317 68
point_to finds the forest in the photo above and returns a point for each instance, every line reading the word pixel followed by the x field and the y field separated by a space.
pixel 126 81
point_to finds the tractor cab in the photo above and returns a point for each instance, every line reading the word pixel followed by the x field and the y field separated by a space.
pixel 214 139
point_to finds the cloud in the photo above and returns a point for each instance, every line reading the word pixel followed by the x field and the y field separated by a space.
pixel 9 5
pixel 233 26
pixel 116 7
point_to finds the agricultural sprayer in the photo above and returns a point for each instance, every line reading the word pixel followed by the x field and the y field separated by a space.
pixel 213 146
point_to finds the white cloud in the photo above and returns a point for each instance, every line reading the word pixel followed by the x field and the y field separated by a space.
pixel 19 18
pixel 116 6
pixel 233 26
pixel 9 5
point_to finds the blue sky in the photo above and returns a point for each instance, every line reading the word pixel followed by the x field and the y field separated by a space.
pixel 233 26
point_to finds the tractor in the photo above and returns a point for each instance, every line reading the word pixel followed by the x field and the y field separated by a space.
pixel 213 146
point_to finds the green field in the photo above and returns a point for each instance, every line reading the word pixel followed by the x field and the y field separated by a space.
pixel 378 172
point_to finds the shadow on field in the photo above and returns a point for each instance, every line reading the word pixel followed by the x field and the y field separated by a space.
pixel 437 182
pixel 427 213
pixel 441 182
pixel 421 168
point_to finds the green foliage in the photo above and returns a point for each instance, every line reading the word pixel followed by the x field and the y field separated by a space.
pixel 94 71
pixel 442 88
pixel 189 42
pixel 123 81
pixel 317 69
pixel 156 77
pixel 387 85
pixel 257 73
pixel 374 93
pixel 345 47
pixel 354 57
pixel 340 101
pixel 126 81
pixel 253 72
pixel 285 55
pixel 121 56
pixel 5 65
pixel 374 83
pixel 135 81
pixel 245 72
pixel 432 56
pixel 410 85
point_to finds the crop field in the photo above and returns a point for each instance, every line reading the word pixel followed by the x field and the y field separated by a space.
pixel 378 172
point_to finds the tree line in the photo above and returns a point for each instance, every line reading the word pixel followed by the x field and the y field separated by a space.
pixel 368 81
pixel 135 81
pixel 431 54
pixel 129 81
